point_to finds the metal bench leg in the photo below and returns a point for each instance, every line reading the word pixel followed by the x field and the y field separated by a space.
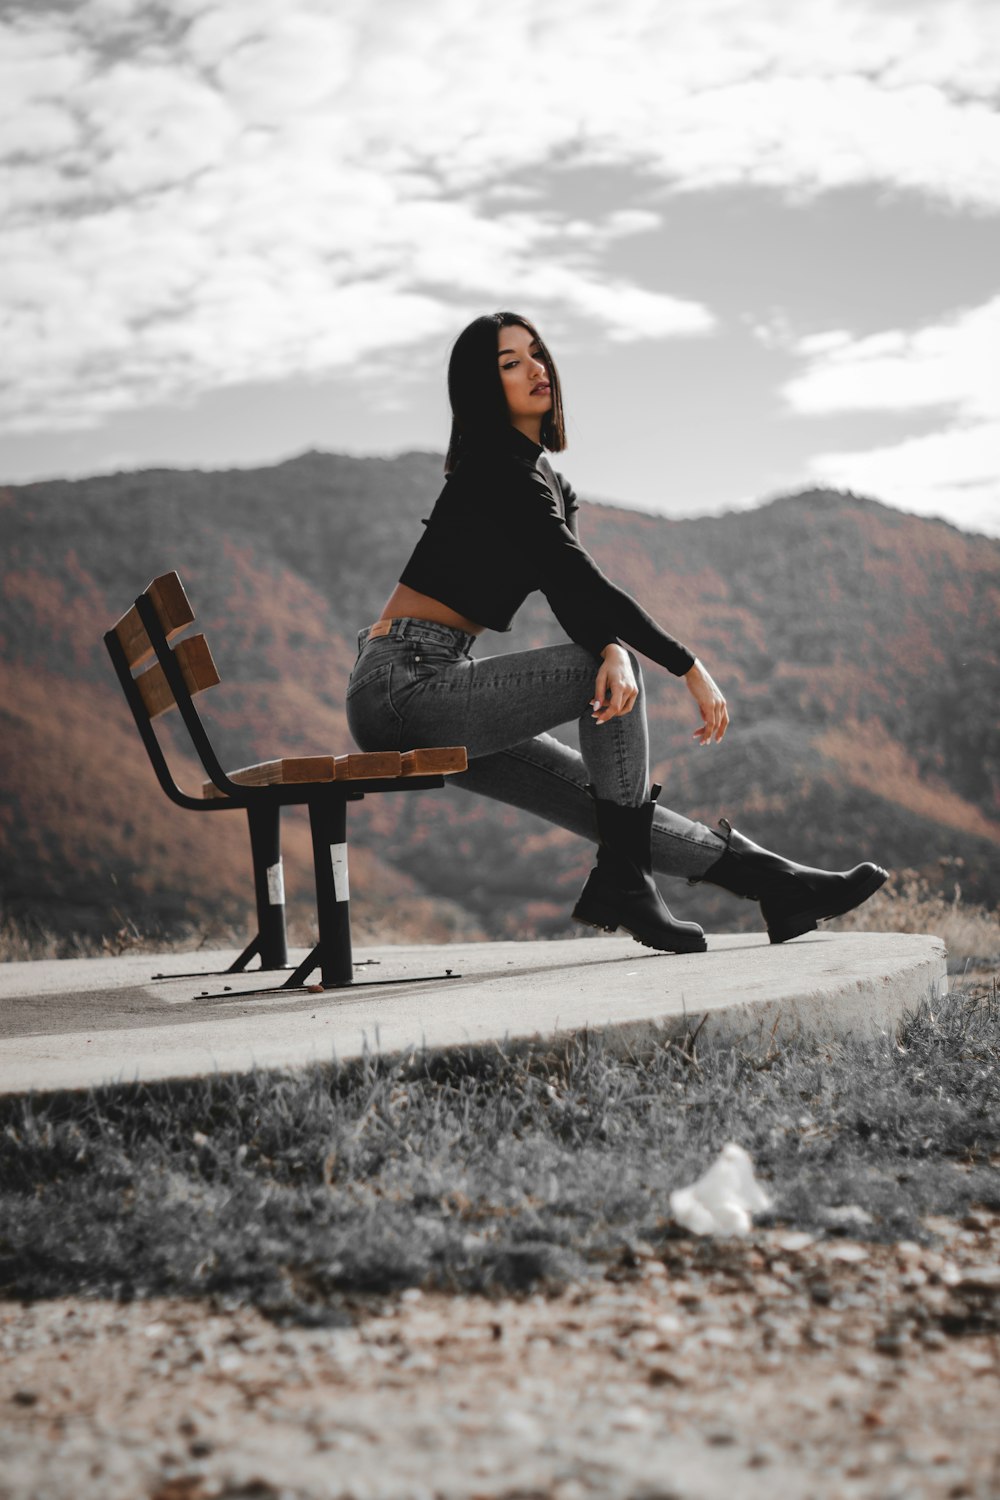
pixel 269 890
pixel 332 954
pixel 328 825
pixel 270 944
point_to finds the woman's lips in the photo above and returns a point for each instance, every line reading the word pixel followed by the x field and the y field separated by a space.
pixel 541 390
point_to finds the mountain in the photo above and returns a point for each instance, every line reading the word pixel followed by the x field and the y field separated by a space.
pixel 856 645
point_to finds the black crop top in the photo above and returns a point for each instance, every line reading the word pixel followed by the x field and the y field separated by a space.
pixel 506 524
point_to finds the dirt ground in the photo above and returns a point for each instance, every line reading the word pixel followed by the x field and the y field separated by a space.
pixel 728 1370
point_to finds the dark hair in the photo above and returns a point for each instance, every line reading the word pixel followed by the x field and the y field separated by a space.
pixel 479 410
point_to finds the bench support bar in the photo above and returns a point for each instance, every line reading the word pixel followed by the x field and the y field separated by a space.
pixel 306 968
pixel 269 889
pixel 328 826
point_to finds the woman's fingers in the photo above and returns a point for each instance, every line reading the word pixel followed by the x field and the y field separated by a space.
pixel 712 704
pixel 620 695
pixel 716 717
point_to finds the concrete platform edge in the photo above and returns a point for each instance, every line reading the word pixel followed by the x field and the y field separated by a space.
pixel 841 990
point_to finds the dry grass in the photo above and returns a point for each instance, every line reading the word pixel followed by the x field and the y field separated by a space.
pixel 25 940
pixel 908 902
pixel 488 1170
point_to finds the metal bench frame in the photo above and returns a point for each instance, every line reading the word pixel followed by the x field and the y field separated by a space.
pixel 326 802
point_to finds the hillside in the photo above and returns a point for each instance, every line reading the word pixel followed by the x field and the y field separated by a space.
pixel 856 646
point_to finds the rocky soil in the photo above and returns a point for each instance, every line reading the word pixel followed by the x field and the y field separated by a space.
pixel 784 1365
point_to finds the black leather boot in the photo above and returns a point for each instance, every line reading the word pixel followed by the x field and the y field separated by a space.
pixel 793 898
pixel 620 890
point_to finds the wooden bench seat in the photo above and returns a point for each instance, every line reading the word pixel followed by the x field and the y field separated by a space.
pixel 442 760
pixel 159 669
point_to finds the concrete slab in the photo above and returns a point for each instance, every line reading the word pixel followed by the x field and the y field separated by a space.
pixel 79 1022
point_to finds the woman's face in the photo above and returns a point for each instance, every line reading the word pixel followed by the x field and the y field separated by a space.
pixel 523 374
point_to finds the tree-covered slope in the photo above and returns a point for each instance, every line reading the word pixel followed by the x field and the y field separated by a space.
pixel 856 646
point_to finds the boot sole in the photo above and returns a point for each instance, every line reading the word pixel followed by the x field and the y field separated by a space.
pixel 692 945
pixel 807 921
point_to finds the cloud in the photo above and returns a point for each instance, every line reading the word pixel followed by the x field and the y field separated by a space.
pixel 950 364
pixel 618 224
pixel 948 368
pixel 150 127
pixel 300 62
pixel 812 134
pixel 814 343
pixel 627 313
pixel 954 473
pixel 224 190
pixel 187 291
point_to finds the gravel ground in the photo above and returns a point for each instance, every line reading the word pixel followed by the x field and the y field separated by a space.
pixel 781 1365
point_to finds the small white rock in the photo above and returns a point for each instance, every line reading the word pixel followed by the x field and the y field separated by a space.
pixel 724 1198
pixel 850 1253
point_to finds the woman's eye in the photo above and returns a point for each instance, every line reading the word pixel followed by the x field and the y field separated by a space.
pixel 513 363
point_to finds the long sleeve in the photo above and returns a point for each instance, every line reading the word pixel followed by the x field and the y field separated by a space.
pixel 506 524
pixel 590 608
pixel 571 505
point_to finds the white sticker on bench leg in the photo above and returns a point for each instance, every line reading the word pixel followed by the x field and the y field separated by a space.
pixel 276 884
pixel 338 859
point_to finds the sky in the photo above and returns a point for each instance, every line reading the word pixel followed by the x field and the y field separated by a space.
pixel 761 237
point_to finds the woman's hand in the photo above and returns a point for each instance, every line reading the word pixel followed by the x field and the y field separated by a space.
pixel 711 702
pixel 616 689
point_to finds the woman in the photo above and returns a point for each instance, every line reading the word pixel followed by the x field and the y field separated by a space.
pixel 504 525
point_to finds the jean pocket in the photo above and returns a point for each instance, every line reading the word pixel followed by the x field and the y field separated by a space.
pixel 371 716
pixel 366 674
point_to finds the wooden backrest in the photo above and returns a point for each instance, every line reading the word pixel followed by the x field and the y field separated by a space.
pixel 173 610
pixel 149 628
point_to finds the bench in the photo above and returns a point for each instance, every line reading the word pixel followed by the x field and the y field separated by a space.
pixel 160 668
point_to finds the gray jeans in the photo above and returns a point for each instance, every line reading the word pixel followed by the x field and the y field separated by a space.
pixel 419 685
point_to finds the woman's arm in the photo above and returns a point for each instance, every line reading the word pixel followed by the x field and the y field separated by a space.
pixel 616 689
pixel 589 607
pixel 616 692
